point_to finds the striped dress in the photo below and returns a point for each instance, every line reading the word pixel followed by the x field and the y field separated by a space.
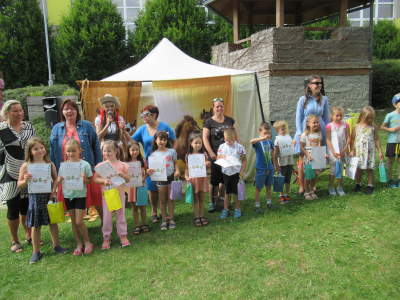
pixel 12 156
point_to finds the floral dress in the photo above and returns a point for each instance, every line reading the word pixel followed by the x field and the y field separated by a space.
pixel 341 135
pixel 365 146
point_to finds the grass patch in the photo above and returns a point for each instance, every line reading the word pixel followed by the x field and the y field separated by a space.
pixel 331 248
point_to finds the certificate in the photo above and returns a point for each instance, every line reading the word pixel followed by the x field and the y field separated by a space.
pixel 72 173
pixel 335 142
pixel 41 178
pixel 197 165
pixel 351 167
pixel 158 165
pixel 286 147
pixel 135 173
pixel 106 171
pixel 318 156
pixel 398 132
pixel 228 161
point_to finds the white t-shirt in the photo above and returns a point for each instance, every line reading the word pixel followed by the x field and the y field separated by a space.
pixel 236 151
pixel 112 129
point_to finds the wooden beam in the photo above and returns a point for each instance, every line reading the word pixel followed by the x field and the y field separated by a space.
pixel 243 41
pixel 280 13
pixel 343 13
pixel 319 28
pixel 236 21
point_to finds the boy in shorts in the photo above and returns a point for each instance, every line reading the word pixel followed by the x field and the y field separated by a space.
pixel 232 174
pixel 391 125
pixel 264 165
pixel 285 163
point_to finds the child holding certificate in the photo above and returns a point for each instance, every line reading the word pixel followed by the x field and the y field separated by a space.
pixel 37 210
pixel 160 148
pixel 111 156
pixel 133 155
pixel 196 153
pixel 76 173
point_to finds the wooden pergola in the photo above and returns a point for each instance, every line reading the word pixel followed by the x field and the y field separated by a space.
pixel 282 12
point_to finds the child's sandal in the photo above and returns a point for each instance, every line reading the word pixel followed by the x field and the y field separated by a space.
pixel 313 195
pixel 136 230
pixel 308 196
pixel 145 228
pixel 197 222
pixel 203 221
pixel 164 225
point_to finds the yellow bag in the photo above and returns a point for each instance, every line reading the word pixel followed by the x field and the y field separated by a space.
pixel 113 199
pixel 56 212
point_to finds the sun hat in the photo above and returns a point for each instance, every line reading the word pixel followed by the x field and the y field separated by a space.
pixel 110 98
pixel 396 99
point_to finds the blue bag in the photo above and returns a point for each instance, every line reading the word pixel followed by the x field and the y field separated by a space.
pixel 142 196
pixel 310 173
pixel 189 193
pixel 338 171
pixel 279 181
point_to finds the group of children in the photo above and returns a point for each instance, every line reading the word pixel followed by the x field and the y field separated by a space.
pixel 362 143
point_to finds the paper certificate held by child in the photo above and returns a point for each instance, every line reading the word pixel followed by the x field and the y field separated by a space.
pixel 286 146
pixel 41 178
pixel 106 171
pixel 135 172
pixel 227 162
pixel 72 173
pixel 318 156
pixel 197 165
pixel 158 165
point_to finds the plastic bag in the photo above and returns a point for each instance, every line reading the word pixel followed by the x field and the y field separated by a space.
pixel 176 190
pixel 189 193
pixel 338 171
pixel 56 212
pixel 241 190
pixel 113 199
pixel 382 172
pixel 142 196
pixel 309 172
pixel 279 182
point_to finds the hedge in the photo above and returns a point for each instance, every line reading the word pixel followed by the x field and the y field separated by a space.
pixel 42 131
pixel 385 82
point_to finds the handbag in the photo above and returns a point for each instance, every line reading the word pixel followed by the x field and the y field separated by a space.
pixel 241 187
pixel 310 173
pixel 113 199
pixel 382 172
pixel 338 171
pixel 142 196
pixel 189 192
pixel 176 190
pixel 279 182
pixel 219 203
pixel 56 212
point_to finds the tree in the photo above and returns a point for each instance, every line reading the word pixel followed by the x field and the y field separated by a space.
pixel 23 58
pixel 386 43
pixel 90 42
pixel 181 21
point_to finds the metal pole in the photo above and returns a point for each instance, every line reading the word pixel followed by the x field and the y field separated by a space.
pixel 259 97
pixel 47 41
pixel 371 24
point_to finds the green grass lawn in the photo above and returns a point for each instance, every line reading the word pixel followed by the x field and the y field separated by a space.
pixel 330 248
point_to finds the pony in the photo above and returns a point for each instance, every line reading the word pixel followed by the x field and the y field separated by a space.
pixel 204 115
pixel 182 131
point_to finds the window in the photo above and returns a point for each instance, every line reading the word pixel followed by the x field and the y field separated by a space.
pixel 129 10
pixel 383 9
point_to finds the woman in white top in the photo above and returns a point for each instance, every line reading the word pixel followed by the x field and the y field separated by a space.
pixel 107 127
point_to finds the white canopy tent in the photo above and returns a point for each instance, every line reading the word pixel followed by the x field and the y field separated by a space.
pixel 180 85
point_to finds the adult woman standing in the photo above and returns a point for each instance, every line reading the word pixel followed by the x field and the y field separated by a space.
pixel 107 127
pixel 311 103
pixel 14 134
pixel 213 137
pixel 144 135
pixel 72 127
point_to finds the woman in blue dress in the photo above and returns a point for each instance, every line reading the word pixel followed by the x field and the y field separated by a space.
pixel 313 102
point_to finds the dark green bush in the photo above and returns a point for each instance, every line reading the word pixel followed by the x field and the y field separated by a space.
pixel 42 131
pixel 385 82
pixel 386 42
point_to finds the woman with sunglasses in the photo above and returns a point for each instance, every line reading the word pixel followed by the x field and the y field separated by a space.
pixel 311 103
pixel 213 137
pixel 145 136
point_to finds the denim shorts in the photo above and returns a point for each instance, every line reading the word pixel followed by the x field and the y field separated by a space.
pixel 264 178
pixel 170 178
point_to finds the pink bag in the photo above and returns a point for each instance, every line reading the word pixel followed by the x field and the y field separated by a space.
pixel 241 190
pixel 176 190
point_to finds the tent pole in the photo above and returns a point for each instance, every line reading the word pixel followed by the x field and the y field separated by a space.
pixel 259 97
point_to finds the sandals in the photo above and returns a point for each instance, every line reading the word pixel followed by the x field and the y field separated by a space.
pixel 197 222
pixel 106 245
pixel 300 193
pixel 203 221
pixel 136 230
pixel 89 249
pixel 308 196
pixel 154 219
pixel 78 251
pixel 124 241
pixel 145 228
pixel 17 246
pixel 172 224
pixel 164 226
pixel 29 241
pixel 313 195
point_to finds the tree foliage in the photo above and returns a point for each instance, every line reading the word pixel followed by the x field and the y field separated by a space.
pixel 23 59
pixel 386 44
pixel 90 42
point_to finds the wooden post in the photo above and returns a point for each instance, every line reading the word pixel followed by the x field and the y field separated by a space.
pixel 250 21
pixel 236 21
pixel 343 13
pixel 280 13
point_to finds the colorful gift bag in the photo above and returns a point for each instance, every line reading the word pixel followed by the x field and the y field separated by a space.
pixel 113 199
pixel 338 171
pixel 382 172
pixel 189 192
pixel 142 196
pixel 56 212
pixel 241 190
pixel 176 190
pixel 279 182
pixel 309 172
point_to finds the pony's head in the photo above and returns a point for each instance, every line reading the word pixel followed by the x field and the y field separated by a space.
pixel 188 123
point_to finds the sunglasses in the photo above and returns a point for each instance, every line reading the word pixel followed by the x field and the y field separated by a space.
pixel 317 83
pixel 218 99
pixel 146 114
